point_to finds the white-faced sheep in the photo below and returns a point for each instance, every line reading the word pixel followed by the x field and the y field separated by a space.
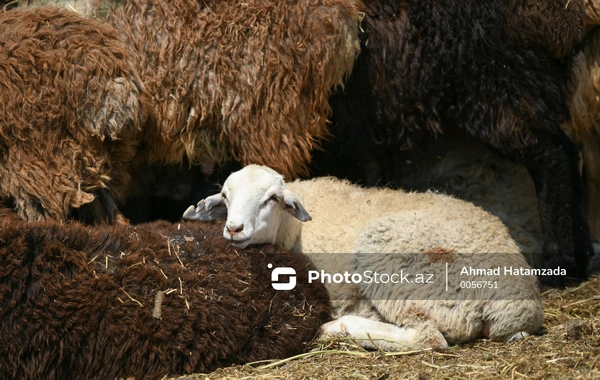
pixel 496 70
pixel 144 302
pixel 355 229
pixel 70 115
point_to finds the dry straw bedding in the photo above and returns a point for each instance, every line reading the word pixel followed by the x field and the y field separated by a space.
pixel 568 347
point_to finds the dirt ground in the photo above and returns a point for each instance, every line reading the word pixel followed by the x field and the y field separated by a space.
pixel 568 347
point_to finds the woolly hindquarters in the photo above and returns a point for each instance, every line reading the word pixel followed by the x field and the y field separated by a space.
pixel 433 281
pixel 72 113
pixel 245 80
pixel 144 302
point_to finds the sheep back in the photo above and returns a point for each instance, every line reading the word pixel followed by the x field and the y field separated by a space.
pixel 488 68
pixel 342 211
pixel 490 181
pixel 70 114
pixel 244 79
pixel 145 301
pixel 552 27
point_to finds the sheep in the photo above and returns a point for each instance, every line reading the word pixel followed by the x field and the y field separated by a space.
pixel 495 70
pixel 144 302
pixel 355 229
pixel 228 80
pixel 245 80
pixel 71 111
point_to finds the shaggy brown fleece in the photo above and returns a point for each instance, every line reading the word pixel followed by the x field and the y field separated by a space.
pixel 107 302
pixel 70 114
pixel 248 80
pixel 496 70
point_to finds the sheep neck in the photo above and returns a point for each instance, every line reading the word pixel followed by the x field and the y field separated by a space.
pixel 288 235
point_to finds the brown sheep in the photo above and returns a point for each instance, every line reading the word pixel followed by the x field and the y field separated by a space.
pixel 248 80
pixel 231 80
pixel 106 302
pixel 70 113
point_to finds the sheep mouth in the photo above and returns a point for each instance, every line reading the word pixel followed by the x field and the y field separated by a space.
pixel 239 243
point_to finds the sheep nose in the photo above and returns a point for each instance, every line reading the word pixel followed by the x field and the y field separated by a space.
pixel 234 229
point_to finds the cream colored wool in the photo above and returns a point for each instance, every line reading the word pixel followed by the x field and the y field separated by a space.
pixel 347 218
pixel 346 209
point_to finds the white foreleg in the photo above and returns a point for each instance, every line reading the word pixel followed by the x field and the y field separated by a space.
pixel 412 335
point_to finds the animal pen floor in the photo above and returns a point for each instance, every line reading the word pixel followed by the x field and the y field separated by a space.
pixel 568 347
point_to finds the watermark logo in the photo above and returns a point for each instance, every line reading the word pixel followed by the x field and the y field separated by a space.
pixel 283 271
pixel 370 277
pixel 414 276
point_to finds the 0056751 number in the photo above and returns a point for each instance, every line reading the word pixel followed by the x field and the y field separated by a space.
pixel 478 284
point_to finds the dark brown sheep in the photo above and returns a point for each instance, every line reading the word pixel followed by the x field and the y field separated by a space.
pixel 106 302
pixel 496 70
pixel 70 112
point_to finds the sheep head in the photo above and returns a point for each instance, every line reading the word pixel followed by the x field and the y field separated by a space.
pixel 258 208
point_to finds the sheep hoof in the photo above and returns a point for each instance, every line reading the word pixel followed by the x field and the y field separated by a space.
pixel 336 327
pixel 190 213
pixel 518 336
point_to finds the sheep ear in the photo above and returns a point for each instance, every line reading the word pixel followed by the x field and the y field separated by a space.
pixel 293 204
pixel 211 208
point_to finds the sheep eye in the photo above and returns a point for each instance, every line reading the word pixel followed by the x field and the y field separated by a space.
pixel 224 196
pixel 273 198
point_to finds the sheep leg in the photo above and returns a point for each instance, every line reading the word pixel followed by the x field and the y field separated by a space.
pixel 103 209
pixel 412 335
pixel 591 169
pixel 552 163
pixel 584 249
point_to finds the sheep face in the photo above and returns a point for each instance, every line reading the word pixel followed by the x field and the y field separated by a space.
pixel 256 203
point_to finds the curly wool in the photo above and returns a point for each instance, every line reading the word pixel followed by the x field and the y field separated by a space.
pixel 70 115
pixel 150 301
pixel 498 71
pixel 489 78
pixel 342 211
pixel 248 80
